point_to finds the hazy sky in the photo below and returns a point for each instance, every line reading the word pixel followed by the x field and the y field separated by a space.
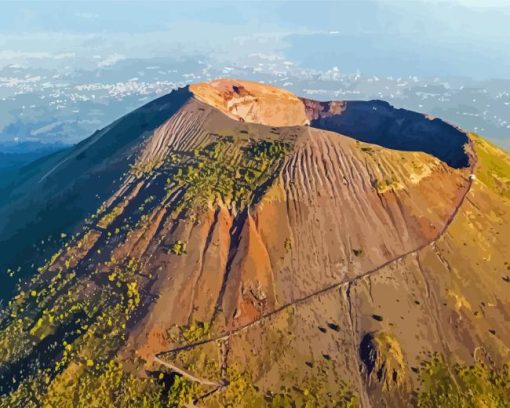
pixel 427 38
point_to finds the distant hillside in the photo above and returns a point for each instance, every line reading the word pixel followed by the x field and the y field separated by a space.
pixel 13 156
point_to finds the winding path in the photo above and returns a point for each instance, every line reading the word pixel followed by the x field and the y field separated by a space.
pixel 187 374
pixel 348 283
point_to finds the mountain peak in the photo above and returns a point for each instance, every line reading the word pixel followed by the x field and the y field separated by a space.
pixel 231 244
pixel 368 121
pixel 252 102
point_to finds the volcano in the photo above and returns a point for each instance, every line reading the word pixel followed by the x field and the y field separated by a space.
pixel 232 244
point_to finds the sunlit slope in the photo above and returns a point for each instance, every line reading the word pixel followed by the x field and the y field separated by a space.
pixel 252 102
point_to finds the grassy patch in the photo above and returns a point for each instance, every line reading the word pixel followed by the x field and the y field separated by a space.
pixel 462 386
pixel 493 166
pixel 223 172
pixel 191 333
pixel 178 248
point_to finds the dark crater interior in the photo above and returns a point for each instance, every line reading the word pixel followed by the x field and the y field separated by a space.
pixel 380 123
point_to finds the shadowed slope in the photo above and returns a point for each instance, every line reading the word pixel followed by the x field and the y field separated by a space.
pixel 54 194
pixel 380 123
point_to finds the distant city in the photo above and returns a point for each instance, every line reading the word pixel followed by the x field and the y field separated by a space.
pixel 50 106
pixel 67 70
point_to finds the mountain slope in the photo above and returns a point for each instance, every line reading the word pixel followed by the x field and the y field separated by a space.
pixel 242 250
pixel 56 193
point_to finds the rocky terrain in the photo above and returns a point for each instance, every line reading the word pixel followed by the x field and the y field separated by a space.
pixel 231 244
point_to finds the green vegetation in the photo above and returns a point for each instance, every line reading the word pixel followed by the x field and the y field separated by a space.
pixel 239 392
pixel 61 334
pixel 108 218
pixel 142 208
pixel 312 396
pixel 462 387
pixel 178 248
pixel 182 392
pixel 145 167
pixel 84 320
pixel 382 186
pixel 222 171
pixel 493 166
pixel 191 333
pixel 383 358
pixel 112 386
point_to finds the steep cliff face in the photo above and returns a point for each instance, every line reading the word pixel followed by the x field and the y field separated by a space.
pixel 257 250
pixel 380 123
pixel 252 102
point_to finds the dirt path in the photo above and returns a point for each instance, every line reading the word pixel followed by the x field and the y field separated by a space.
pixel 187 374
pixel 325 289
